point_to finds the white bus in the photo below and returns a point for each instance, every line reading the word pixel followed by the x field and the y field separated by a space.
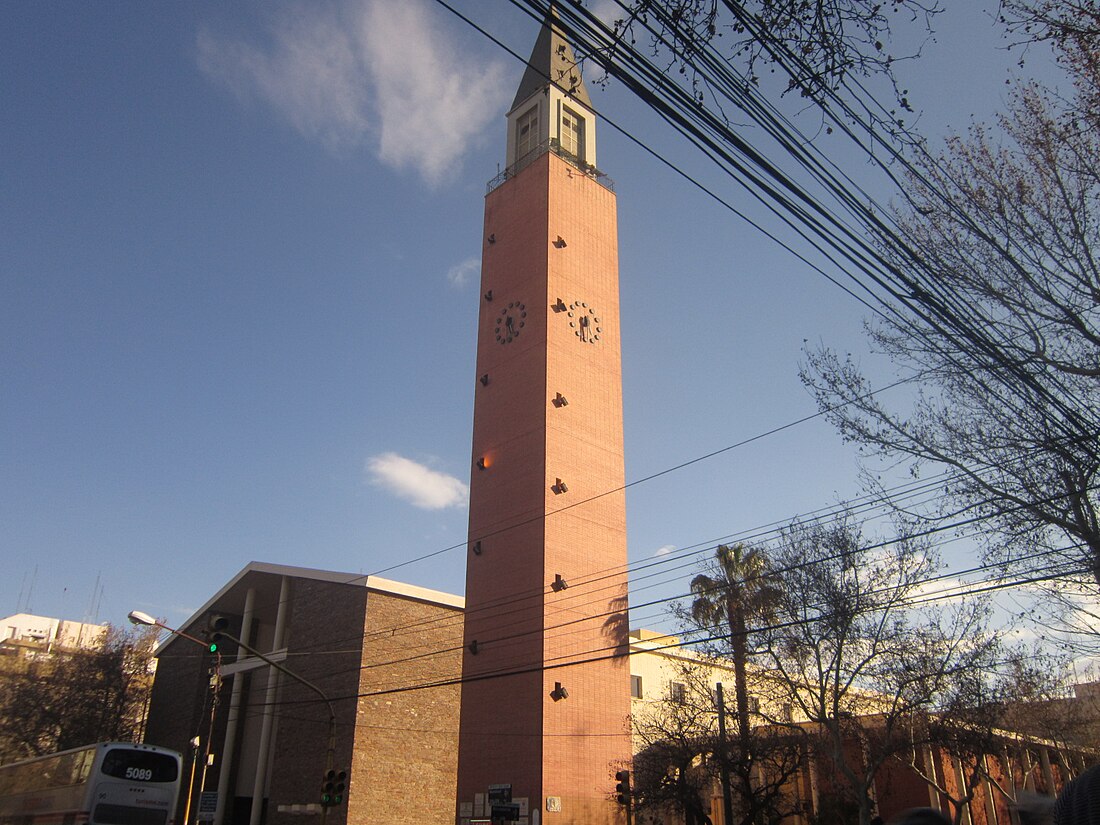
pixel 112 783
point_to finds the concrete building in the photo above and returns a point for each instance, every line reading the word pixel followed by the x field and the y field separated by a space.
pixel 27 634
pixel 385 654
pixel 545 679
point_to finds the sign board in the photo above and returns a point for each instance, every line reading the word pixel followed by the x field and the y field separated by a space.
pixel 500 794
pixel 509 812
pixel 208 804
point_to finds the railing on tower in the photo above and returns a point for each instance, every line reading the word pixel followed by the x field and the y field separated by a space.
pixel 552 145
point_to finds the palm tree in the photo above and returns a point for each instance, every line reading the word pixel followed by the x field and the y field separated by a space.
pixel 735 592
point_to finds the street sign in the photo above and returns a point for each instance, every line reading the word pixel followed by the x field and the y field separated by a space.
pixel 508 813
pixel 208 805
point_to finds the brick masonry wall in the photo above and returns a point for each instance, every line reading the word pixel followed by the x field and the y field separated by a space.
pixel 513 732
pixel 324 646
pixel 406 752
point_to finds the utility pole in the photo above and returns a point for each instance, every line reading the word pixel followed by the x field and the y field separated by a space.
pixel 723 758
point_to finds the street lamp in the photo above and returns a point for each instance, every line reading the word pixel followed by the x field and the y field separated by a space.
pixel 137 617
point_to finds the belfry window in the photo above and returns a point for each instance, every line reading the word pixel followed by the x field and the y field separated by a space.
pixel 527 132
pixel 572 133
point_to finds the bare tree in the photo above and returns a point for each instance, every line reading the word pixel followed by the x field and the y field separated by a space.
pixel 1008 221
pixel 682 756
pixel 817 46
pixel 676 734
pixel 74 697
pixel 860 659
pixel 976 719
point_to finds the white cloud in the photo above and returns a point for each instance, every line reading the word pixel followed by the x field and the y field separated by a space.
pixel 461 274
pixel 433 100
pixel 310 73
pixel 383 69
pixel 665 549
pixel 941 590
pixel 419 485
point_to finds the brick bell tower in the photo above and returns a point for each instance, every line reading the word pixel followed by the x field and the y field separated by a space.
pixel 546 684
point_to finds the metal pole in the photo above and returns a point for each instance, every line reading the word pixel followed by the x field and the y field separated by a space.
pixel 723 758
pixel 215 690
pixel 191 781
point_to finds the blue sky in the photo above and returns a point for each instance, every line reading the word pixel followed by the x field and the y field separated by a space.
pixel 238 294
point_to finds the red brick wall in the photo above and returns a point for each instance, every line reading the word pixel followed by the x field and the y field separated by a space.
pixel 323 641
pixel 406 755
pixel 512 731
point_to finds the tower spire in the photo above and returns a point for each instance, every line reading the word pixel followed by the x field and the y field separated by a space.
pixel 552 110
pixel 552 62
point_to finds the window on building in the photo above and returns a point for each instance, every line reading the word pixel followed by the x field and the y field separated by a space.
pixel 527 132
pixel 572 133
pixel 677 692
pixel 635 686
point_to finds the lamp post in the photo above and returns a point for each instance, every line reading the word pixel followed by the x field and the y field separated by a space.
pixel 137 617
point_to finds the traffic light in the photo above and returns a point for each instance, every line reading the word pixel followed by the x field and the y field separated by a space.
pixel 215 626
pixel 622 789
pixel 333 788
pixel 341 779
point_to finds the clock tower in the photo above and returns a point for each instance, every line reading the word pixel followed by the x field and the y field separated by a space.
pixel 546 684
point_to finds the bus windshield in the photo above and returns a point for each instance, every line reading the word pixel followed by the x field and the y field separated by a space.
pixel 141 766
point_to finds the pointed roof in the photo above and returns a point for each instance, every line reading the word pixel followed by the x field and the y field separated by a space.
pixel 552 58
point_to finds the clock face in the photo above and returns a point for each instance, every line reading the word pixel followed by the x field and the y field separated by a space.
pixel 584 322
pixel 510 322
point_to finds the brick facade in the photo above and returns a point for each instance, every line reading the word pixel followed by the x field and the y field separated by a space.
pixel 513 731
pixel 354 638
